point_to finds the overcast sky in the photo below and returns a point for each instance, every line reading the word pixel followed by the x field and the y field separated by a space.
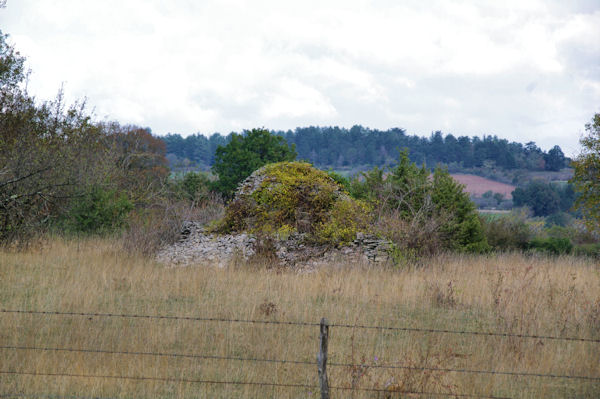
pixel 523 70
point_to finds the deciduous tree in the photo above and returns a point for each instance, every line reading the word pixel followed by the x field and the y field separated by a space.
pixel 52 155
pixel 586 178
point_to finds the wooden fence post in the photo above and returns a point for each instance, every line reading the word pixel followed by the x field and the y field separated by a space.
pixel 322 359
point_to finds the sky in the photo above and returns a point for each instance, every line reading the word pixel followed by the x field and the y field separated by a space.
pixel 524 70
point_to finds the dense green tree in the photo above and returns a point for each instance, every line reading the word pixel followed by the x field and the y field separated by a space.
pixel 567 197
pixel 587 174
pixel 555 159
pixel 193 187
pixel 461 229
pixel 452 149
pixel 369 185
pixel 499 197
pixel 246 153
pixel 407 187
pixel 540 196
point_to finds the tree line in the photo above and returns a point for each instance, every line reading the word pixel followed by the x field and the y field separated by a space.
pixel 335 147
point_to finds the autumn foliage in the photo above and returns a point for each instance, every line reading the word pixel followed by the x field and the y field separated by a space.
pixel 56 162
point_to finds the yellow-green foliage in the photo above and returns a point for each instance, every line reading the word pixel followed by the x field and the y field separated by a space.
pixel 346 218
pixel 295 197
pixel 285 231
pixel 291 192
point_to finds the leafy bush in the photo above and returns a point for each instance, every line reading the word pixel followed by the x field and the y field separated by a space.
pixel 50 150
pixel 507 232
pixel 195 183
pixel 98 211
pixel 192 186
pixel 484 203
pixel 591 250
pixel 581 234
pixel 552 245
pixel 505 205
pixel 339 179
pixel 558 232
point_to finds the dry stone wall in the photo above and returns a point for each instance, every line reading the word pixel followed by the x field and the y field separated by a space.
pixel 199 247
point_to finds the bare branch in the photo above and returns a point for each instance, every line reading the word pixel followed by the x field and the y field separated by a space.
pixel 26 176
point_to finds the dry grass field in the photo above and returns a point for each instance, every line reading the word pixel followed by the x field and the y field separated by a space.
pixel 509 293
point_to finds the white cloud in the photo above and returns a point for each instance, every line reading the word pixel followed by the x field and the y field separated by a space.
pixel 187 66
pixel 294 99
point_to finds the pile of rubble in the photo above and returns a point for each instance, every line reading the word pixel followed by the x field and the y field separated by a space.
pixel 198 247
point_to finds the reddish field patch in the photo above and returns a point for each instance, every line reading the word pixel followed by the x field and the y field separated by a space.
pixel 477 185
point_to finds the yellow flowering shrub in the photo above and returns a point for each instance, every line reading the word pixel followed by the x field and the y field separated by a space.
pixel 293 197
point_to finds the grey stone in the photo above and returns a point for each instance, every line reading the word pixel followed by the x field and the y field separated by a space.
pixel 197 246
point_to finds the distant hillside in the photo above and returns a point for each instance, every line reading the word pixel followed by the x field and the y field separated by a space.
pixel 477 185
pixel 359 147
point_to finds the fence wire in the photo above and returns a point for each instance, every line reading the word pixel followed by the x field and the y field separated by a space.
pixel 264 360
pixel 300 362
pixel 467 371
pixel 428 393
pixel 26 395
pixel 250 383
pixel 302 323
pixel 161 317
pixel 162 379
pixel 466 332
pixel 161 354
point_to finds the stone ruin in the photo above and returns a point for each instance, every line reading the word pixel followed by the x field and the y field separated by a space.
pixel 197 246
pixel 200 244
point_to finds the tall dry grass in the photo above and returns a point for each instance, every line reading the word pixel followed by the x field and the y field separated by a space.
pixel 507 293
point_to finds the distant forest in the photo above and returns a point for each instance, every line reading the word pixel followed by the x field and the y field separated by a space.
pixel 341 148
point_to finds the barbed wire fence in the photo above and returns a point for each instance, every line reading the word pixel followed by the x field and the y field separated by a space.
pixel 321 362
